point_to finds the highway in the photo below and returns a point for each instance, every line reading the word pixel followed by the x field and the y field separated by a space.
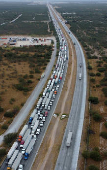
pixel 22 115
pixel 68 156
pixel 28 163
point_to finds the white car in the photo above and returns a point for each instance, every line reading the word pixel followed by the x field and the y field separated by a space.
pixel 38 131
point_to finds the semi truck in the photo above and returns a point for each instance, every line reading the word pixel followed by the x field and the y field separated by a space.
pixel 26 143
pixel 12 159
pixel 34 120
pixel 29 148
pixel 69 138
pixel 22 132
pixel 35 127
pixel 17 161
pixel 32 115
pixel 12 149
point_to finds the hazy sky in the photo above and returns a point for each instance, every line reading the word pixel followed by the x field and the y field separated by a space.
pixel 54 0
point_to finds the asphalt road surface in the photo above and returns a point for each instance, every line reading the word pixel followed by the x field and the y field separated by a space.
pixel 68 156
pixel 22 115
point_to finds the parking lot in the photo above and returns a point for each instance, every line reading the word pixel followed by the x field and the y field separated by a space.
pixel 19 41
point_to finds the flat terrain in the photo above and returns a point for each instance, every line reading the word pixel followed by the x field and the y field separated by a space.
pixel 20 70
pixel 24 19
pixel 88 23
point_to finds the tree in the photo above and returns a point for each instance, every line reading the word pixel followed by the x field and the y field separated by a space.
pixel 2 152
pixel 103 135
pixel 97 117
pixel 93 167
pixel 86 154
pixel 9 138
pixel 93 100
pixel 95 155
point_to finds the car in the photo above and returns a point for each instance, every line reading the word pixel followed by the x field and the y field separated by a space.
pixel 37 131
pixel 80 64
pixel 46 113
pixel 41 124
pixel 35 137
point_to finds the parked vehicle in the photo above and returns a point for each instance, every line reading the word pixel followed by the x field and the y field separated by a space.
pixel 12 149
pixel 26 143
pixel 29 148
pixel 22 132
pixel 17 161
pixel 12 158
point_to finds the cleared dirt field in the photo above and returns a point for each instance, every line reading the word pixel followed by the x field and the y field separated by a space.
pixel 22 73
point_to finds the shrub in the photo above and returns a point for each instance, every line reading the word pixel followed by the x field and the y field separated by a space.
pixel 31 72
pixel 95 155
pixel 4 126
pixel 29 81
pixel 9 138
pixel 97 117
pixel 103 135
pixel 92 80
pixel 105 102
pixel 92 74
pixel 1 109
pixel 2 152
pixel 25 76
pixel 37 70
pixel 86 154
pixel 89 67
pixel 102 69
pixel 105 91
pixel 93 100
pixel 8 114
pixel 98 74
pixel 105 124
pixel 31 76
pixel 92 167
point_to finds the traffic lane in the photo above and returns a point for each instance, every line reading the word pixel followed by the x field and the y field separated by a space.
pixel 28 162
pixel 66 151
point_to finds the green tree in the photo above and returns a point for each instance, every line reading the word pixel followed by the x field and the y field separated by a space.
pixel 86 154
pixel 9 138
pixel 97 117
pixel 93 100
pixel 95 155
pixel 93 167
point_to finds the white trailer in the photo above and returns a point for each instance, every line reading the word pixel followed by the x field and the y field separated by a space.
pixel 35 127
pixel 17 161
pixel 23 130
pixel 69 138
pixel 12 149
pixel 44 92
pixel 26 134
pixel 34 120
pixel 27 142
pixel 13 158
pixel 30 146
pixel 33 113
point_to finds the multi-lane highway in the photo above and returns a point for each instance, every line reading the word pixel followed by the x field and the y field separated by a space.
pixel 68 156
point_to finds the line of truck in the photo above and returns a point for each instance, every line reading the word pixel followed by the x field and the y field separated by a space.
pixel 30 131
